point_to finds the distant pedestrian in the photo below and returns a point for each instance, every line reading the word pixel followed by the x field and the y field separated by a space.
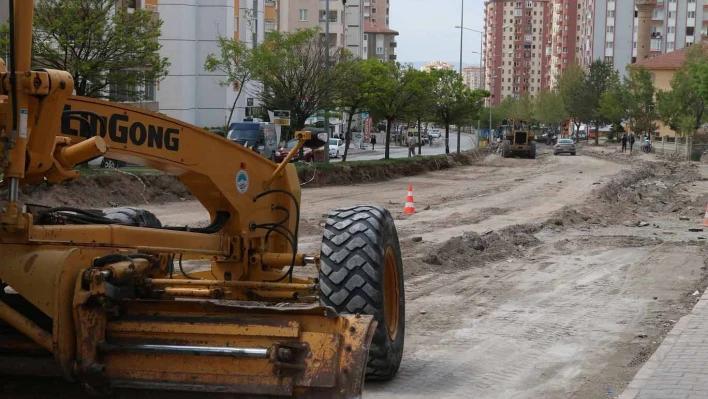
pixel 373 142
pixel 411 146
pixel 631 143
pixel 624 142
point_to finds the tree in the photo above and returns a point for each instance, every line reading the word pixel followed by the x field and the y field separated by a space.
pixel 688 96
pixel 353 93
pixel 599 80
pixel 393 87
pixel 453 102
pixel 639 101
pixel 291 68
pixel 549 108
pixel 235 62
pixel 420 107
pixel 110 52
pixel 570 88
pixel 523 108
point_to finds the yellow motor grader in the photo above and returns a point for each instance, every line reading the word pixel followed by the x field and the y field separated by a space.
pixel 95 297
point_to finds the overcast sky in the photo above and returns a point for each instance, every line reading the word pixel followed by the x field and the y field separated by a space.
pixel 427 30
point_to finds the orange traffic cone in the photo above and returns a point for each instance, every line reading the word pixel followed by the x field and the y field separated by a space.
pixel 705 218
pixel 410 208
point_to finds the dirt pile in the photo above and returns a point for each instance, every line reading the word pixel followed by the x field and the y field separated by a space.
pixel 475 250
pixel 106 190
pixel 370 172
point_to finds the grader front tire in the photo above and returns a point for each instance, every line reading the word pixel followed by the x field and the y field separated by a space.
pixel 362 272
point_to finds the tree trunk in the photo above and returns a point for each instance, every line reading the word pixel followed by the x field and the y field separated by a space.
pixel 420 142
pixel 388 138
pixel 447 138
pixel 233 108
pixel 347 136
pixel 597 132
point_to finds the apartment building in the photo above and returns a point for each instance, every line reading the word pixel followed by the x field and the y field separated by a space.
pixel 433 65
pixel 516 47
pixel 379 38
pixel 607 26
pixel 190 32
pixel 472 76
pixel 563 47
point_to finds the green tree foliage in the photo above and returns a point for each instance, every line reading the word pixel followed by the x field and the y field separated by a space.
pixel 110 52
pixel 639 101
pixel 421 104
pixel 523 108
pixel 599 80
pixel 353 93
pixel 549 108
pixel 570 88
pixel 688 96
pixel 291 69
pixel 393 87
pixel 235 61
pixel 453 102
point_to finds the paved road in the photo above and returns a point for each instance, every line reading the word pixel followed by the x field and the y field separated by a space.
pixel 468 142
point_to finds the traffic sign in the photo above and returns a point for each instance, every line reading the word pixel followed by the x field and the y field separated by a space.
pixel 281 121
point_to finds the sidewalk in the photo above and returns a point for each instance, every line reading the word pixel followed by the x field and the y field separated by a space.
pixel 679 367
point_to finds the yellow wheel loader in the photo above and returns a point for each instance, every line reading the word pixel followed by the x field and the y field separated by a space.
pixel 101 298
pixel 518 139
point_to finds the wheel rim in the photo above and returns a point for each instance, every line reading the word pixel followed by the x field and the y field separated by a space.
pixel 391 293
pixel 110 164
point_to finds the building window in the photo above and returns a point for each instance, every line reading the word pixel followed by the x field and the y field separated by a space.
pixel 610 14
pixel 608 60
pixel 692 14
pixel 670 46
pixel 379 44
pixel 236 23
pixel 608 44
pixel 269 25
pixel 690 30
pixel 610 29
pixel 303 15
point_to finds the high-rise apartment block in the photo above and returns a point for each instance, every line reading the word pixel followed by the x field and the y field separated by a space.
pixel 472 77
pixel 515 47
pixel 566 32
pixel 611 23
pixel 379 38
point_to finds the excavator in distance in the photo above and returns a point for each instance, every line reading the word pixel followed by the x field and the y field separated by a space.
pixel 94 297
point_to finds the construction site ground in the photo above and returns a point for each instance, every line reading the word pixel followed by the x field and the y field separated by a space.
pixel 549 278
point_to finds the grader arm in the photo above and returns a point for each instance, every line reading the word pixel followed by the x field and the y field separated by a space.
pixel 97 299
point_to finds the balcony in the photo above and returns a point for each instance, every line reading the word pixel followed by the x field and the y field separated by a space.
pixel 271 3
pixel 392 57
pixel 393 44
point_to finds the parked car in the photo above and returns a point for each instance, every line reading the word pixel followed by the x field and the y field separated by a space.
pixel 283 152
pixel 108 163
pixel 564 146
pixel 435 133
pixel 336 148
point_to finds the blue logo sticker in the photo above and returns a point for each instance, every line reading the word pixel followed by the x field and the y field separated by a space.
pixel 242 181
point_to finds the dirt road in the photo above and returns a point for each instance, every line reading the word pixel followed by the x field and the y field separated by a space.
pixel 574 314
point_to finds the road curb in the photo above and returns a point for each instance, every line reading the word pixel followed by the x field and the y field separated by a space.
pixel 647 371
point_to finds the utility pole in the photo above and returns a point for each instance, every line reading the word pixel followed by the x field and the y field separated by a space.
pixel 462 27
pixel 326 111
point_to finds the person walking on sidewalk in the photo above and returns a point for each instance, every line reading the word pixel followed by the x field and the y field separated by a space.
pixel 631 143
pixel 411 146
pixel 624 142
pixel 373 142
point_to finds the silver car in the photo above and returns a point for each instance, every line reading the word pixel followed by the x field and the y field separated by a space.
pixel 564 146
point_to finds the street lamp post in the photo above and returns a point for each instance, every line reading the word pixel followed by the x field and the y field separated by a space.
pixel 326 111
pixel 462 24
